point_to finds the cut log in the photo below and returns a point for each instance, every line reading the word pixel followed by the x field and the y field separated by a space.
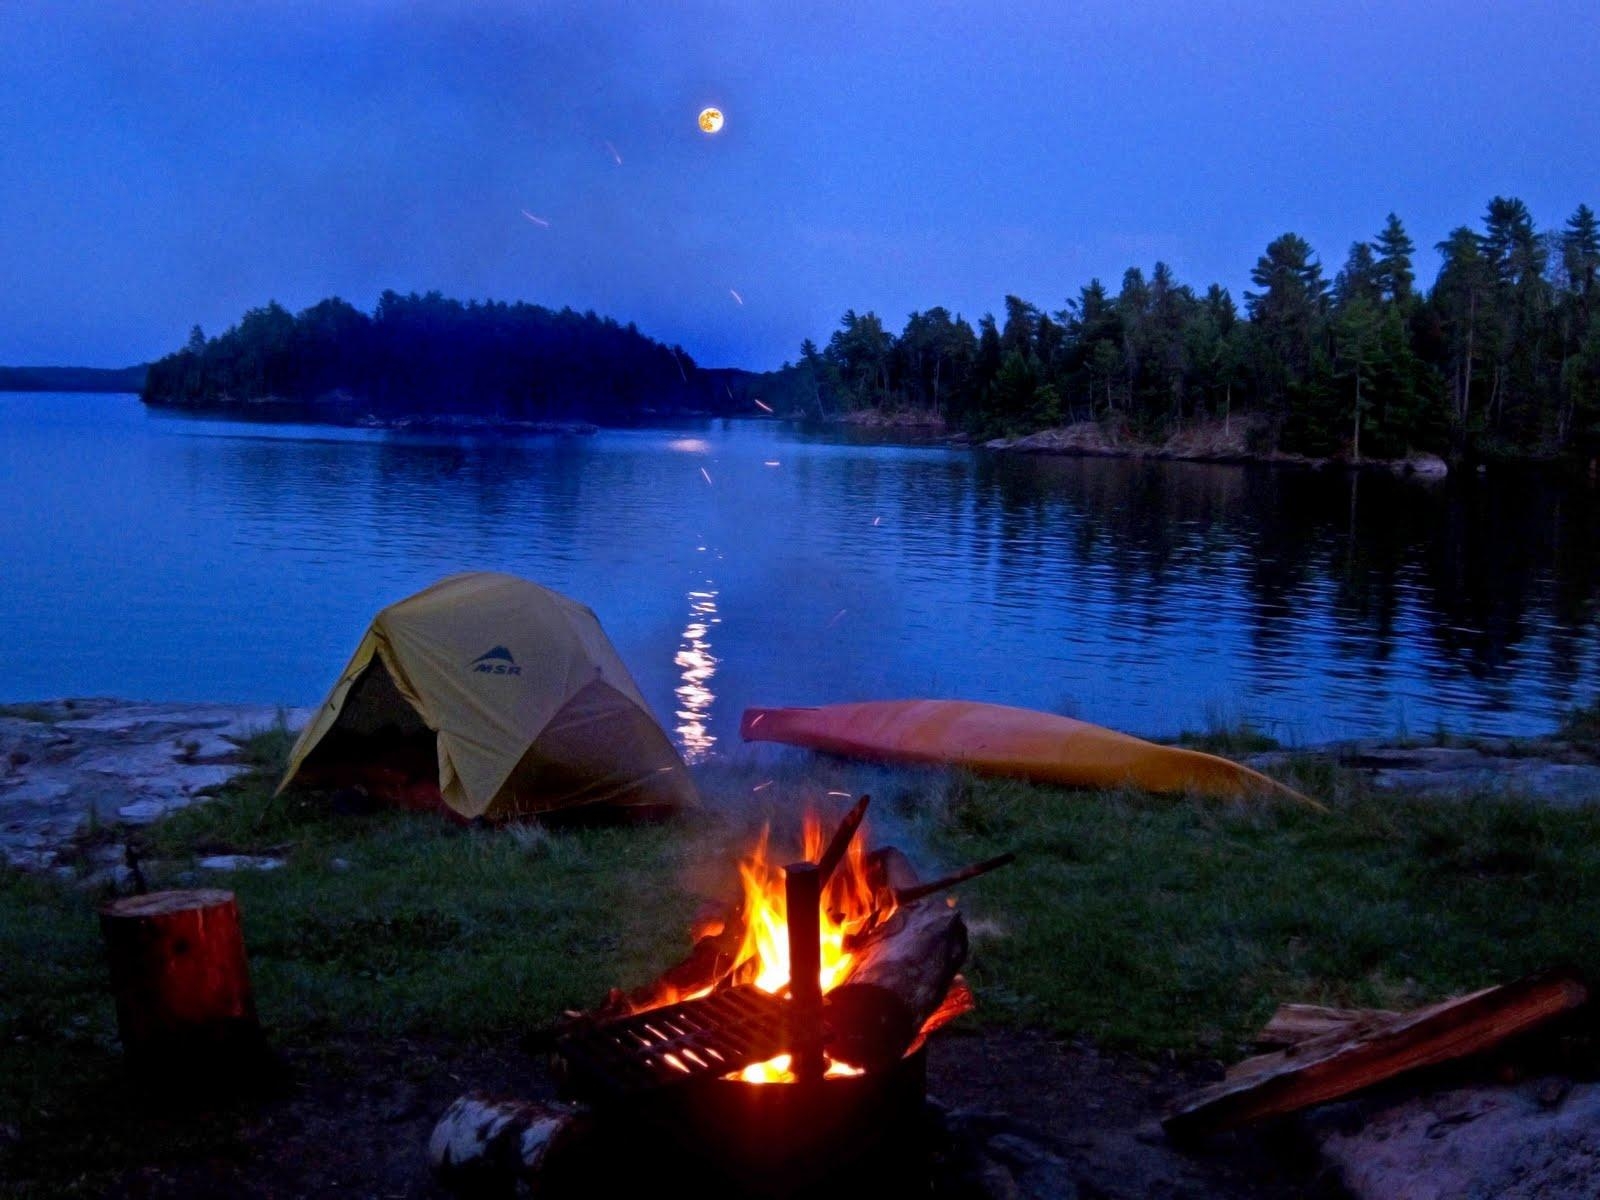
pixel 1293 1024
pixel 498 1146
pixel 1338 1065
pixel 182 986
pixel 902 975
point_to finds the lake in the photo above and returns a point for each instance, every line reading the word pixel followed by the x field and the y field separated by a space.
pixel 165 557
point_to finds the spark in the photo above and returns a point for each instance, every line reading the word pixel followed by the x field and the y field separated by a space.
pixel 763 406
pixel 760 786
pixel 772 462
pixel 836 615
pixel 678 358
pixel 706 473
pixel 614 153
pixel 846 795
pixel 737 297
pixel 536 220
pixel 760 717
pixel 877 520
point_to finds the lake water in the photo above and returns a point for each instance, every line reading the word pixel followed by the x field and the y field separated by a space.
pixel 734 563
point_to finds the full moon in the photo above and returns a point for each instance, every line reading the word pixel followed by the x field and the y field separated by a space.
pixel 710 119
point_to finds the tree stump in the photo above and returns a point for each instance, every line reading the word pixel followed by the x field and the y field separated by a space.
pixel 182 986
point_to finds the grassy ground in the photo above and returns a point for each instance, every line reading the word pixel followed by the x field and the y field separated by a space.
pixel 1145 923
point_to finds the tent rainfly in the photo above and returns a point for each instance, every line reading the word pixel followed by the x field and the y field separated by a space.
pixel 510 693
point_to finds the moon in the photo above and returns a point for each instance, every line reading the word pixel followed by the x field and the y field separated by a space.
pixel 710 120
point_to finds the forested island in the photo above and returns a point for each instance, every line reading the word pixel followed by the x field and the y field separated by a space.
pixel 1499 358
pixel 431 358
pixel 72 379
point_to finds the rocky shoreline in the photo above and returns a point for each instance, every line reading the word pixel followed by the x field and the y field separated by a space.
pixel 70 765
pixel 1213 443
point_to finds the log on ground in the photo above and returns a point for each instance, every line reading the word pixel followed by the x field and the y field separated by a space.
pixel 1339 1065
pixel 494 1145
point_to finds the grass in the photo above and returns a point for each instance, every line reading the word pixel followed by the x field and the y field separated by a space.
pixel 1232 741
pixel 1145 923
pixel 1228 734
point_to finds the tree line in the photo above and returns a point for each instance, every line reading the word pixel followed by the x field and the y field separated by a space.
pixel 429 355
pixel 1500 356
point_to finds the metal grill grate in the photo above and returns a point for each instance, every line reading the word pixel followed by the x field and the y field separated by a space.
pixel 695 1039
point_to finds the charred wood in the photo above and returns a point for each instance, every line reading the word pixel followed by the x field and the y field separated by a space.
pixel 903 972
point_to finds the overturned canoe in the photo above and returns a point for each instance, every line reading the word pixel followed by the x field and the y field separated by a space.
pixel 993 739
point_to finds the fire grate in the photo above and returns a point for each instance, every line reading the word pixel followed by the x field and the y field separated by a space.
pixel 679 1043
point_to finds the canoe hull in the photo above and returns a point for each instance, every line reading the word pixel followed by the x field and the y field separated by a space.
pixel 994 739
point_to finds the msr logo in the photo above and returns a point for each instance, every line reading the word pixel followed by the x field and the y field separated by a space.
pixel 496 662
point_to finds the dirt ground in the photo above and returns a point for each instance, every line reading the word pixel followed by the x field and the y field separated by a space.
pixel 356 1117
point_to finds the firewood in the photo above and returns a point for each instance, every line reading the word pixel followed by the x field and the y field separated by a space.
pixel 497 1146
pixel 1338 1065
pixel 888 868
pixel 1296 1023
pixel 840 842
pixel 902 974
pixel 182 985
pixel 710 962
pixel 908 895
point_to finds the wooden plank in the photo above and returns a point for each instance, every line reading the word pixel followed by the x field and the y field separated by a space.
pixel 1293 1024
pixel 1338 1065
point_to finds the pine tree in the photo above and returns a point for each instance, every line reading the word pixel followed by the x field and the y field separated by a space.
pixel 1394 250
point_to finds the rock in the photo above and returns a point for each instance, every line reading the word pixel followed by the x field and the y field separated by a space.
pixel 1427 466
pixel 142 812
pixel 1472 1143
pixel 1536 771
pixel 239 862
pixel 113 760
pixel 1036 1172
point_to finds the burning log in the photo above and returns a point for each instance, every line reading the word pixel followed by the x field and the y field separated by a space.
pixel 902 974
pixel 840 842
pixel 1339 1064
pixel 494 1145
pixel 182 985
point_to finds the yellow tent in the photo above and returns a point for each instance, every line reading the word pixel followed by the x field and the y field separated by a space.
pixel 512 690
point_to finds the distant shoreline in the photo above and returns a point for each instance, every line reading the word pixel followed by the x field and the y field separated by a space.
pixel 1211 442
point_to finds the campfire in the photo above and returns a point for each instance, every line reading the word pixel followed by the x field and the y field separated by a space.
pixel 843 961
pixel 788 1044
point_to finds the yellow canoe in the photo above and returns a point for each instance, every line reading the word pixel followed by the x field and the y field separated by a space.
pixel 993 739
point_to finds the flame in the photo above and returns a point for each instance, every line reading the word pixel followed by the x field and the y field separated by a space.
pixel 847 903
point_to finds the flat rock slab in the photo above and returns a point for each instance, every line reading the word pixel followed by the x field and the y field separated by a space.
pixel 64 763
pixel 239 862
pixel 1545 772
pixel 1539 1139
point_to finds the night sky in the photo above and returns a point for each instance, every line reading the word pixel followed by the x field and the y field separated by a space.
pixel 171 163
